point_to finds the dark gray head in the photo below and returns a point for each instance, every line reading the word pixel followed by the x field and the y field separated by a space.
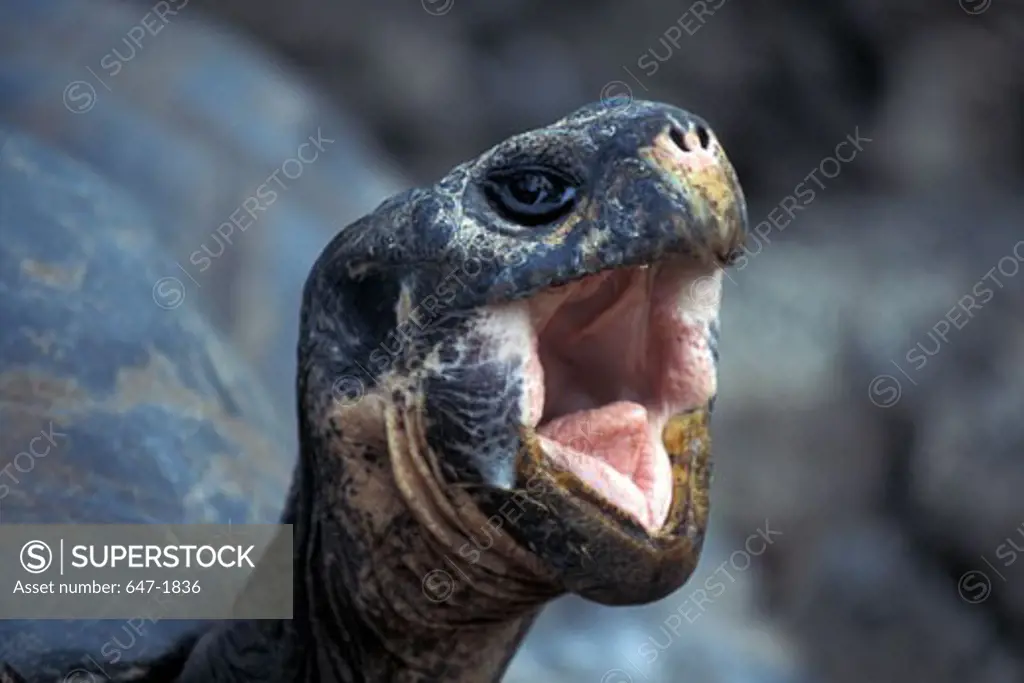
pixel 529 346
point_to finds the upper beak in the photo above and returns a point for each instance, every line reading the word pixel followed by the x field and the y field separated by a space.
pixel 691 159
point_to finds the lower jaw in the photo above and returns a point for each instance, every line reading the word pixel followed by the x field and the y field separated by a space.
pixel 645 495
pixel 679 468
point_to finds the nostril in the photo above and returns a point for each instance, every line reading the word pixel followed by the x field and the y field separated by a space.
pixel 679 139
pixel 704 137
pixel 686 141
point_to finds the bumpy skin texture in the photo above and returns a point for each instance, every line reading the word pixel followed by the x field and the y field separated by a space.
pixel 445 254
pixel 411 430
pixel 112 410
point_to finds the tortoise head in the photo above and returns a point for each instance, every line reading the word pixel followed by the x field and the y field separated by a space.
pixel 527 353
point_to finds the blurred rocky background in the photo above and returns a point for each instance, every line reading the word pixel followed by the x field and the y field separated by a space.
pixel 869 517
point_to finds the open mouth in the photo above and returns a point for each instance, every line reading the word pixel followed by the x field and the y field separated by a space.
pixel 613 357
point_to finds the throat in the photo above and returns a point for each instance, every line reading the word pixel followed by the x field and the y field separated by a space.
pixel 362 613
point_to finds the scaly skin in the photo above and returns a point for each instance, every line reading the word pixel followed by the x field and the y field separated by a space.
pixel 412 439
pixel 393 485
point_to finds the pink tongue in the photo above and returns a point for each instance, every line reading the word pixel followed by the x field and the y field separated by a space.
pixel 616 433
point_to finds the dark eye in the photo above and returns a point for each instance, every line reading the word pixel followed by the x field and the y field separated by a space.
pixel 531 196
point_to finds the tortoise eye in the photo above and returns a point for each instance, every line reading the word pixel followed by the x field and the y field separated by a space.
pixel 531 196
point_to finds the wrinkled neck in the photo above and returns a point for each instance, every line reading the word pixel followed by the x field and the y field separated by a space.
pixel 375 598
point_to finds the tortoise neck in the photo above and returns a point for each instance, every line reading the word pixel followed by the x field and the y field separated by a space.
pixel 359 622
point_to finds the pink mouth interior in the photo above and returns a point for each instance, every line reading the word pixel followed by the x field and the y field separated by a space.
pixel 614 356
